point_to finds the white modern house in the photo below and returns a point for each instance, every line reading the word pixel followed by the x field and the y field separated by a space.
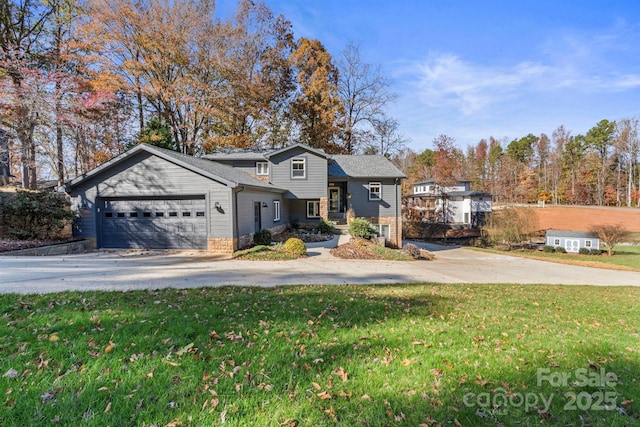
pixel 448 203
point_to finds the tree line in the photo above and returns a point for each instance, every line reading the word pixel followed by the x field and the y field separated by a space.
pixel 80 80
pixel 601 167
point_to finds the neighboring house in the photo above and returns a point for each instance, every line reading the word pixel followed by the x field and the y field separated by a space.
pixel 452 204
pixel 149 197
pixel 572 241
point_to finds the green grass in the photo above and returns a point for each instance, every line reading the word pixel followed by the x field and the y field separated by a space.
pixel 625 256
pixel 264 253
pixel 319 355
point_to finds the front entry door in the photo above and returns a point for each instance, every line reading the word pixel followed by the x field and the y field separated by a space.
pixel 257 216
pixel 334 199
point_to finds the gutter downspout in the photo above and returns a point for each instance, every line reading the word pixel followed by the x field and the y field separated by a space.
pixel 235 214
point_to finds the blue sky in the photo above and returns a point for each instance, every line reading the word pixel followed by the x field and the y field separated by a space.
pixel 472 69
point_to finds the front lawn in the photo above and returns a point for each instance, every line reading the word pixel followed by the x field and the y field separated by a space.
pixel 409 355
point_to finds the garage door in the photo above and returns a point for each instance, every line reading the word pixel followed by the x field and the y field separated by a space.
pixel 178 223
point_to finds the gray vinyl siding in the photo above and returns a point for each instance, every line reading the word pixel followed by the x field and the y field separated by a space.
pixel 145 175
pixel 246 213
pixel 313 186
pixel 298 211
pixel 363 207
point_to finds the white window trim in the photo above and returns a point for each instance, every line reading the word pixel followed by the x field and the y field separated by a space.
pixel 299 160
pixel 556 241
pixel 263 172
pixel 375 184
pixel 276 210
pixel 316 204
pixel 587 244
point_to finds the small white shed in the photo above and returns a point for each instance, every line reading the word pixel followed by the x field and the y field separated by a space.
pixel 572 241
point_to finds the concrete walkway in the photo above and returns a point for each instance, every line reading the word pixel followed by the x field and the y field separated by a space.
pixel 128 270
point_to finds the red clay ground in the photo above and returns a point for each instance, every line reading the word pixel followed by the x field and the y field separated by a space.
pixel 581 218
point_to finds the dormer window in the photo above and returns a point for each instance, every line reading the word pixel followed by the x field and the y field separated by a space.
pixel 298 168
pixel 262 168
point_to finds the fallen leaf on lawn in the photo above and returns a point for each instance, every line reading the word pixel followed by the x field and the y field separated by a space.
pixel 341 373
pixel 108 408
pixel 174 423
pixel 324 395
pixel 53 337
pixel 184 350
pixel 316 386
pixel 365 397
pixel 109 347
pixel 407 362
pixel 103 389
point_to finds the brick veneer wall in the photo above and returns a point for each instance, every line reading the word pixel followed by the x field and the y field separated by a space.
pixel 395 234
pixel 229 245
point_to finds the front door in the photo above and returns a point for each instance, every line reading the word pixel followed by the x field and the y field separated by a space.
pixel 334 199
pixel 572 245
pixel 257 212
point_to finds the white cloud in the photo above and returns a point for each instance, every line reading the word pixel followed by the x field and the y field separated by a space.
pixel 447 80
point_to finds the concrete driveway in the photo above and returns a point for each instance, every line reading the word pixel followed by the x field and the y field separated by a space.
pixel 127 270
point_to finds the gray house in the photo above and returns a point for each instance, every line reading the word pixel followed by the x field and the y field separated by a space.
pixel 572 241
pixel 149 197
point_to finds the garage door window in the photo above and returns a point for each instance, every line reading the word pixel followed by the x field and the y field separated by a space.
pixel 159 214
pixel 173 214
pixel 186 213
pixel 108 214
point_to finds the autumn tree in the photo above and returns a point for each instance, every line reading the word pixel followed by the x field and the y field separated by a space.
pixel 559 139
pixel 364 92
pixel 446 160
pixel 627 146
pixel 316 107
pixel 22 48
pixel 573 154
pixel 611 235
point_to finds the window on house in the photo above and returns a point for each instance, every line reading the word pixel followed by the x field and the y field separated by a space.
pixel 298 168
pixel 382 230
pixel 276 210
pixel 262 168
pixel 375 191
pixel 313 209
pixel 587 243
pixel 556 242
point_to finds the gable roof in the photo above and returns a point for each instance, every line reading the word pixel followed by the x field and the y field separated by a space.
pixel 566 233
pixel 225 174
pixel 320 153
pixel 363 166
